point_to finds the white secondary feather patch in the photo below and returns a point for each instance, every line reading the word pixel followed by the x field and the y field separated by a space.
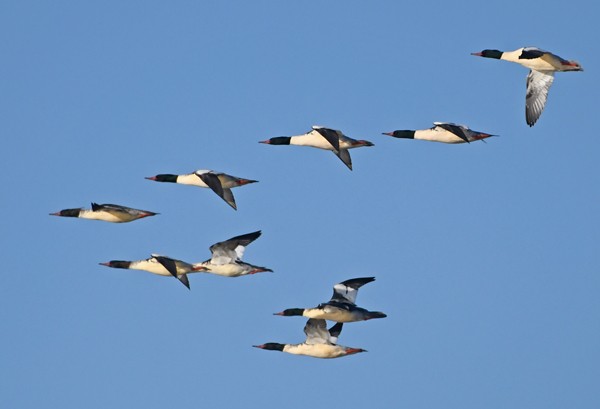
pixel 223 255
pixel 348 293
pixel 316 332
pixel 538 85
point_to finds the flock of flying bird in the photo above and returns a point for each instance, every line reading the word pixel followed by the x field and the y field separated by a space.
pixel 226 256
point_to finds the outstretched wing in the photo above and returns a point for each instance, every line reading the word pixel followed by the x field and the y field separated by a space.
pixel 171 266
pixel 332 136
pixel 335 332
pixel 184 280
pixel 213 182
pixel 316 332
pixel 228 251
pixel 346 291
pixel 344 156
pixel 538 85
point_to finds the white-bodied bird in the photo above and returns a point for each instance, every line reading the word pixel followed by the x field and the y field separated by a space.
pixel 323 138
pixel 542 65
pixel 320 342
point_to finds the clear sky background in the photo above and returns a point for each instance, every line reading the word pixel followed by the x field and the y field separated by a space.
pixel 485 254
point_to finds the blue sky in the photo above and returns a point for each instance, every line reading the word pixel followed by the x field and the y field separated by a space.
pixel 486 255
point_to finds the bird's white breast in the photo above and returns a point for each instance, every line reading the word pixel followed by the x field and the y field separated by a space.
pixel 437 135
pixel 315 350
pixel 548 63
pixel 101 215
pixel 190 179
pixel 313 139
pixel 151 266
pixel 226 270
pixel 329 313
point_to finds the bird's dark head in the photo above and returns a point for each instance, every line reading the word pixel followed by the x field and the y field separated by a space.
pixel 117 264
pixel 164 178
pixel 271 346
pixel 489 54
pixel 279 140
pixel 290 312
pixel 401 134
pixel 67 213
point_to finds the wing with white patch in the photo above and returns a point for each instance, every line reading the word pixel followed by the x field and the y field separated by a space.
pixel 316 332
pixel 538 85
pixel 228 251
pixel 335 332
pixel 222 256
pixel 332 136
pixel 346 291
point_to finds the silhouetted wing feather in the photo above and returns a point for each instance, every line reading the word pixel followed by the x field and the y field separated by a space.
pixel 529 53
pixel 455 129
pixel 213 182
pixel 168 263
pixel 344 156
pixel 331 135
pixel 184 280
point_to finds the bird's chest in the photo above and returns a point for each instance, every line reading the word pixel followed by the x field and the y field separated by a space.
pixel 333 313
pixel 315 350
pixel 313 139
pixel 438 135
pixel 540 64
pixel 228 270
pixel 191 179
pixel 151 266
pixel 102 215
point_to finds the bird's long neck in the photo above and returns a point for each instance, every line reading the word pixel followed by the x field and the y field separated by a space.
pixel 512 56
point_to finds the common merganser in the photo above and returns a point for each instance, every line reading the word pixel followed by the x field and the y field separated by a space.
pixel 446 132
pixel 323 138
pixel 542 65
pixel 226 259
pixel 160 265
pixel 219 182
pixel 320 343
pixel 106 212
pixel 341 307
